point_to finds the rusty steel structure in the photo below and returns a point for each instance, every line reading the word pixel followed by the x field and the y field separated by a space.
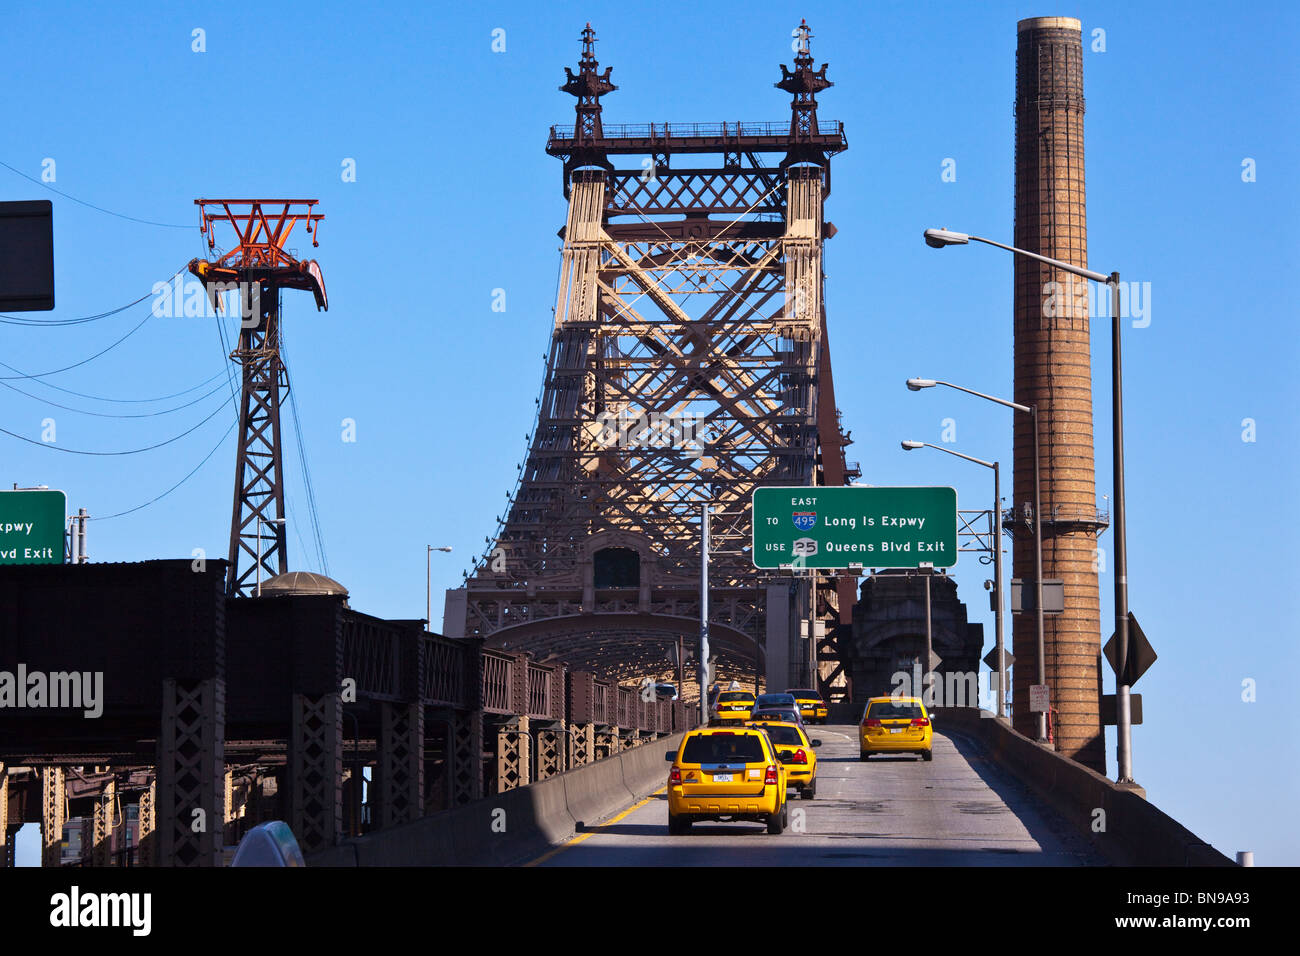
pixel 258 267
pixel 272 708
pixel 689 364
pixel 1053 372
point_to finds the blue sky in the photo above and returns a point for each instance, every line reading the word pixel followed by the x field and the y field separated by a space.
pixel 454 197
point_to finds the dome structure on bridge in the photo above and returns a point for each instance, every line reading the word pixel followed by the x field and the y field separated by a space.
pixel 302 582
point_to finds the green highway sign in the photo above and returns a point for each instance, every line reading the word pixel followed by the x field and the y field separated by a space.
pixel 848 527
pixel 31 526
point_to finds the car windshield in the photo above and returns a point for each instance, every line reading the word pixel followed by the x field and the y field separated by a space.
pixel 893 710
pixel 775 700
pixel 734 695
pixel 723 748
pixel 785 736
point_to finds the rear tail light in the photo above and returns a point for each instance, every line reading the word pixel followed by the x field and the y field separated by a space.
pixel 873 723
pixel 921 722
pixel 675 777
pixel 799 756
pixel 771 777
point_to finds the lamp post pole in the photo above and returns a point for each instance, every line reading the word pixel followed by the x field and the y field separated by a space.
pixel 428 582
pixel 703 663
pixel 997 562
pixel 916 384
pixel 938 238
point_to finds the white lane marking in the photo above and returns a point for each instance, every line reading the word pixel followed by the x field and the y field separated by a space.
pixel 838 734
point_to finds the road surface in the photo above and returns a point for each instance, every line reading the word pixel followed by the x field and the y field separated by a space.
pixel 957 810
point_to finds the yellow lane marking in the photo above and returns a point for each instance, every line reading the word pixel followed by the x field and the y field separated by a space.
pixel 574 841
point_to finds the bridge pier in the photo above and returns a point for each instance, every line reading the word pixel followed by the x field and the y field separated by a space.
pixel 190 780
pixel 552 749
pixel 316 771
pixel 401 762
pixel 52 815
pixel 582 744
pixel 465 757
pixel 103 825
pixel 512 756
pixel 146 837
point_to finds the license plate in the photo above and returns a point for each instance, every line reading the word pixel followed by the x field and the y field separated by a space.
pixel 722 778
pixel 895 730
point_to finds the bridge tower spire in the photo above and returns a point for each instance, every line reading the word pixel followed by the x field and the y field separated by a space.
pixel 804 83
pixel 588 85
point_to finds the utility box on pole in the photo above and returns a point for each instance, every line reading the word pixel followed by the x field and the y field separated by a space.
pixel 26 256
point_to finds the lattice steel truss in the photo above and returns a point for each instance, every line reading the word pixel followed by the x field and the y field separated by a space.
pixel 258 267
pixel 688 364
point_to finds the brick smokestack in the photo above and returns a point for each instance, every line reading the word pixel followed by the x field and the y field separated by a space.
pixel 1052 371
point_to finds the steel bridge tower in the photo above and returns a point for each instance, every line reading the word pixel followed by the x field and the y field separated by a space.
pixel 258 268
pixel 689 364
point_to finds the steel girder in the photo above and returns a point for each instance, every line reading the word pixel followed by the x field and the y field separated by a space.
pixel 715 329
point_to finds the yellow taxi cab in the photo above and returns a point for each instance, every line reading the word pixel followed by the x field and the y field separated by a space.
pixel 734 705
pixel 731 774
pixel 811 706
pixel 894 725
pixel 796 751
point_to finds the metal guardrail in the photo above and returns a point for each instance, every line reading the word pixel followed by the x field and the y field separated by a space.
pixel 392 663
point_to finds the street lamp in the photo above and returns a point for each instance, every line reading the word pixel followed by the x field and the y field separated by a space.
pixel 916 384
pixel 997 558
pixel 938 238
pixel 260 522
pixel 428 581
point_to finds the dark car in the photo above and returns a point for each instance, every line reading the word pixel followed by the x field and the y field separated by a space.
pixel 789 714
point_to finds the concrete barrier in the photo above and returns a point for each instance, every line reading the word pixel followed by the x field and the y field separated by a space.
pixel 516 825
pixel 1135 833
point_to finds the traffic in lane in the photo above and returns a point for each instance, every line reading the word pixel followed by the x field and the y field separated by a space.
pixel 958 809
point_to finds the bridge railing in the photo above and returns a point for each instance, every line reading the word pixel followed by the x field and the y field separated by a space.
pixel 696 130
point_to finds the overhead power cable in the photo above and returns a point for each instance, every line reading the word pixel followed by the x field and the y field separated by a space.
pixel 191 474
pixel 128 401
pixel 91 205
pixel 80 320
pixel 84 411
pixel 131 451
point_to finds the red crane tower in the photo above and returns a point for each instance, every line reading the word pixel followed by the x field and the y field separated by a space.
pixel 258 267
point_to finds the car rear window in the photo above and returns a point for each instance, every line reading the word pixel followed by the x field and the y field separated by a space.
pixel 780 713
pixel 893 710
pixel 785 736
pixel 736 695
pixel 724 748
pixel 775 700
pixel 804 693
